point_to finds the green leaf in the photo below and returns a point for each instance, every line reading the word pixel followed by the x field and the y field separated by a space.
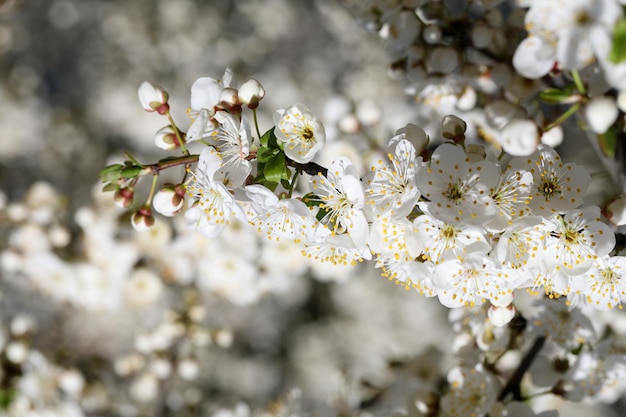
pixel 274 168
pixel 608 141
pixel 264 154
pixel 111 173
pixel 618 50
pixel 268 139
pixel 131 171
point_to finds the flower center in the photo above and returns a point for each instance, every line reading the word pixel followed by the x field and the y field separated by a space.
pixel 582 18
pixel 549 187
pixel 455 192
pixel 307 134
pixel 448 232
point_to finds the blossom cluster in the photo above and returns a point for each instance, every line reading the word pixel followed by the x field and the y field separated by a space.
pixel 457 222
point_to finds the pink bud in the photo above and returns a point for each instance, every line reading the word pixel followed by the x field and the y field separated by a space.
pixel 124 197
pixel 501 316
pixel 165 138
pixel 251 93
pixel 229 99
pixel 616 211
pixel 153 98
pixel 169 200
pixel 142 219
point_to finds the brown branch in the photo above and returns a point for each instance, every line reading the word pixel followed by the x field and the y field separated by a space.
pixel 513 385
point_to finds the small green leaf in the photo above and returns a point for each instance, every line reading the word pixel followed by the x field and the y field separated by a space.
pixel 268 139
pixel 264 154
pixel 618 50
pixel 111 172
pixel 131 172
pixel 608 142
pixel 274 168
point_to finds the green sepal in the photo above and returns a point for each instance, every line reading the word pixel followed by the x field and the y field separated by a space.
pixel 131 171
pixel 110 187
pixel 618 50
pixel 608 141
pixel 111 173
pixel 556 95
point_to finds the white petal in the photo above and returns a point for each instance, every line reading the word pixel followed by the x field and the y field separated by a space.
pixel 534 57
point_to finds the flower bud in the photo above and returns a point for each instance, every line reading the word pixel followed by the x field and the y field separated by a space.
pixel 501 316
pixel 169 200
pixel 553 137
pixel 142 219
pixel 123 197
pixel 520 137
pixel 153 98
pixel 601 113
pixel 165 138
pixel 229 99
pixel 453 127
pixel 616 211
pixel 251 93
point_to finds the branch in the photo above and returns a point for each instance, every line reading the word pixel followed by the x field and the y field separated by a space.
pixel 513 385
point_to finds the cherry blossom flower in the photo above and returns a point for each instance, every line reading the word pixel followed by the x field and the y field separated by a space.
pixel 212 204
pixel 606 282
pixel 287 218
pixel 300 131
pixel 565 328
pixel 457 189
pixel 233 143
pixel 437 240
pixel 577 238
pixel 511 197
pixel 342 197
pixel 557 187
pixel 521 244
pixel 336 249
pixel 205 99
pixel 470 281
pixel 570 33
pixel 473 392
pixel 394 187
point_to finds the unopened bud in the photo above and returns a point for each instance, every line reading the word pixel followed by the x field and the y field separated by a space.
pixel 453 128
pixel 153 98
pixel 520 137
pixel 229 99
pixel 501 316
pixel 616 211
pixel 553 137
pixel 124 197
pixel 169 200
pixel 601 113
pixel 165 138
pixel 142 219
pixel 251 93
